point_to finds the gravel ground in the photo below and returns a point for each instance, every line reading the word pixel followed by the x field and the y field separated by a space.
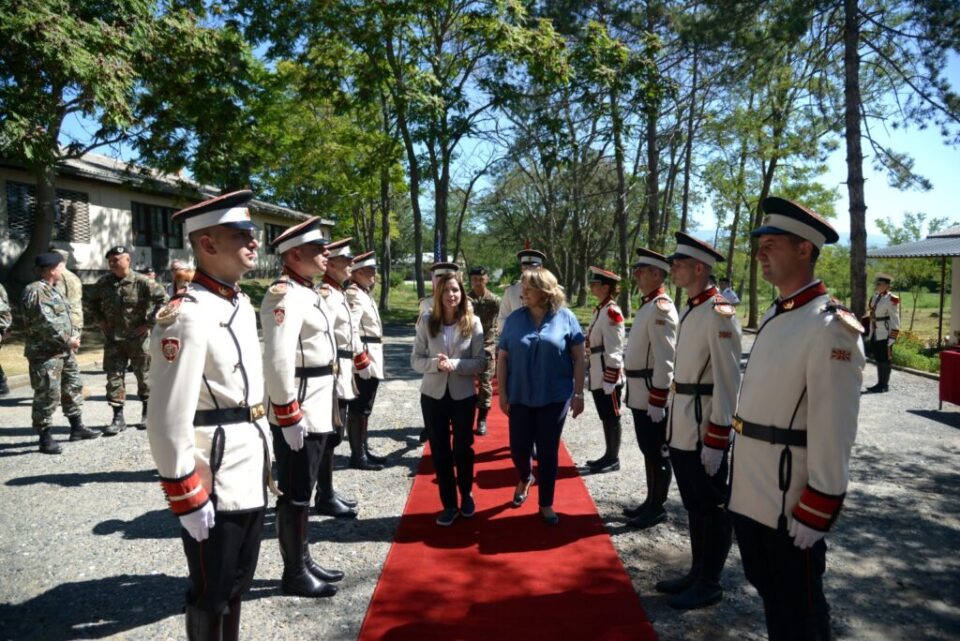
pixel 90 551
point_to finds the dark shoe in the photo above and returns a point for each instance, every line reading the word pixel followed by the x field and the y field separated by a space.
pixel 118 424
pixel 698 595
pixel 608 466
pixel 78 432
pixel 142 425
pixel 322 573
pixel 648 518
pixel 550 519
pixel 467 507
pixel 875 389
pixel 482 421
pixel 519 498
pixel 424 437
pixel 332 507
pixel 363 463
pixel 376 458
pixel 676 586
pixel 635 511
pixel 598 462
pixel 47 444
pixel 4 388
pixel 344 500
pixel 447 517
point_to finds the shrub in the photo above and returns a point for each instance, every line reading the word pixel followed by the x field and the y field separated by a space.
pixel 915 353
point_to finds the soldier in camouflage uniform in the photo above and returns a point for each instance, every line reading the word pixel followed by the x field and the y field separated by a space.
pixel 71 288
pixel 51 341
pixel 125 304
pixel 486 306
pixel 6 319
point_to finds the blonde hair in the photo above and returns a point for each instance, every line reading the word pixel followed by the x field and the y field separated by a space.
pixel 543 280
pixel 464 315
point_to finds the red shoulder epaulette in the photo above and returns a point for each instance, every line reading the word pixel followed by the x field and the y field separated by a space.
pixel 613 312
pixel 895 299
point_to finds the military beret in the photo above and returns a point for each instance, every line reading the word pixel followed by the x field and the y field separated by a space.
pixel 48 259
pixel 478 271
pixel 690 247
pixel 116 250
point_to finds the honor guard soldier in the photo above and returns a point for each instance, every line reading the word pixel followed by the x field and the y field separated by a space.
pixel 884 329
pixel 796 422
pixel 605 356
pixel 530 259
pixel 351 358
pixel 50 347
pixel 209 437
pixel 425 306
pixel 706 378
pixel 124 304
pixel 363 276
pixel 486 306
pixel 299 359
pixel 648 364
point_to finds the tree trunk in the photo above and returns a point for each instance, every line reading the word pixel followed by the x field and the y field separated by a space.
pixel 622 267
pixel 23 271
pixel 414 201
pixel 858 205
pixel 385 258
pixel 735 225
pixel 688 147
pixel 653 181
pixel 753 318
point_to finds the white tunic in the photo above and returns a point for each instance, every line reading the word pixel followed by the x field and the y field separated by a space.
pixel 298 333
pixel 651 346
pixel 804 373
pixel 367 317
pixel 605 344
pixel 509 302
pixel 884 317
pixel 345 330
pixel 708 353
pixel 205 355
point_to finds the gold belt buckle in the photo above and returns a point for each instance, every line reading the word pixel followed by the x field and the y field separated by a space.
pixel 257 412
pixel 336 366
pixel 738 424
pixel 673 387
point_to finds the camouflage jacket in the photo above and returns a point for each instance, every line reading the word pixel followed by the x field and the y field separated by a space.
pixel 46 321
pixel 486 308
pixel 6 318
pixel 71 289
pixel 125 304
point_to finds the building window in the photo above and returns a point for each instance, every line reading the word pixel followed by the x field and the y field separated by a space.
pixel 270 233
pixel 72 220
pixel 153 227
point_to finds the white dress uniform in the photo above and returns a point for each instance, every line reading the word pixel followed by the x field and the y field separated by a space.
pixel 509 301
pixel 347 335
pixel 605 336
pixel 299 356
pixel 650 353
pixel 369 325
pixel 206 358
pixel 884 317
pixel 809 408
pixel 708 360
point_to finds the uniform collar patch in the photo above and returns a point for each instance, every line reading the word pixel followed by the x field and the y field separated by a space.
pixel 218 287
pixel 297 278
pixel 702 297
pixel 801 298
pixel 332 282
pixel 649 297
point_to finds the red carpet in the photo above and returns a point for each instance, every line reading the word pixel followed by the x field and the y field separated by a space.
pixel 504 574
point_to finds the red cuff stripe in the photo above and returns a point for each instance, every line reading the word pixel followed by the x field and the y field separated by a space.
pixel 717 437
pixel 361 360
pixel 288 414
pixel 658 397
pixel 185 495
pixel 611 375
pixel 817 510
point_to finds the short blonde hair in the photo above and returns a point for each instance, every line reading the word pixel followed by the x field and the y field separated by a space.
pixel 543 280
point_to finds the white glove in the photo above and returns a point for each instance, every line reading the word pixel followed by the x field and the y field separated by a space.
pixel 198 524
pixel 365 373
pixel 656 414
pixel 890 341
pixel 711 459
pixel 294 434
pixel 608 388
pixel 804 537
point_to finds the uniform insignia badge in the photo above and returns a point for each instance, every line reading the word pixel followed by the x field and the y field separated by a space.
pixel 279 314
pixel 789 305
pixel 838 354
pixel 278 289
pixel 849 320
pixel 664 305
pixel 724 309
pixel 170 347
pixel 726 334
pixel 168 314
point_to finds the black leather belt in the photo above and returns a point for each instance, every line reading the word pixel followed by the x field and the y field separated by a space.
pixel 770 434
pixel 639 373
pixel 693 389
pixel 229 415
pixel 882 318
pixel 371 339
pixel 312 372
pixel 344 353
pixel 596 350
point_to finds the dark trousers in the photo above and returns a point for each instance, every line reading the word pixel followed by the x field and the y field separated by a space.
pixel 789 580
pixel 222 567
pixel 704 498
pixel 608 405
pixel 541 426
pixel 366 395
pixel 440 415
pixel 651 437
pixel 297 472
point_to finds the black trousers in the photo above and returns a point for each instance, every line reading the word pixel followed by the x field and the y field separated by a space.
pixel 704 498
pixel 651 437
pixel 297 472
pixel 366 395
pixel 608 405
pixel 540 426
pixel 789 580
pixel 445 417
pixel 880 350
pixel 222 567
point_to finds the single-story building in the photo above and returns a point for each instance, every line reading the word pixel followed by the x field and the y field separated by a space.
pixel 105 202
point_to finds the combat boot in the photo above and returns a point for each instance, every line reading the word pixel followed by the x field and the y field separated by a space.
pixel 142 425
pixel 118 424
pixel 47 444
pixel 79 432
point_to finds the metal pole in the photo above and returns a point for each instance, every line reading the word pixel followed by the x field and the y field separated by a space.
pixel 943 287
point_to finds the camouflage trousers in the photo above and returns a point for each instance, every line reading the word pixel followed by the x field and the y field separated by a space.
pixel 55 381
pixel 485 392
pixel 117 355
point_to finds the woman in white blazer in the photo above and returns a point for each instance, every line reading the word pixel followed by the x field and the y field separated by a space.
pixel 448 351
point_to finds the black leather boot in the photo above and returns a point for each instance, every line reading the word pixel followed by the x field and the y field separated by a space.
pixel 358 454
pixel 678 585
pixel 345 500
pixel 142 425
pixel 648 474
pixel 297 579
pixel 716 541
pixel 78 432
pixel 597 462
pixel 203 625
pixel 482 421
pixel 231 621
pixel 327 503
pixel 317 570
pixel 4 388
pixel 657 489
pixel 610 461
pixel 47 444
pixel 885 377
pixel 365 430
pixel 118 424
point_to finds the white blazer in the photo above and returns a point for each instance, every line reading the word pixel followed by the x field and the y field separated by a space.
pixel 467 355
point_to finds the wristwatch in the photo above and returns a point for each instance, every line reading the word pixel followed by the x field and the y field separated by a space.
pixel 579 395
